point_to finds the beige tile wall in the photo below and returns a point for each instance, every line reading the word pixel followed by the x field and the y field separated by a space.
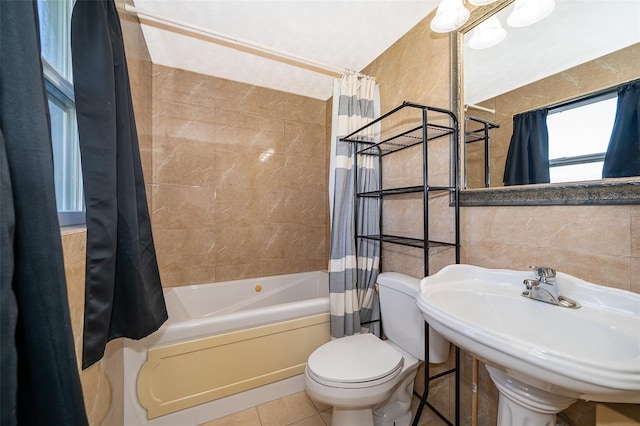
pixel 607 71
pixel 597 243
pixel 238 179
pixel 97 387
pixel 415 69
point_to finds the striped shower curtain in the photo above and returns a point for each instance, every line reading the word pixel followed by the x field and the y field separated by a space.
pixel 354 302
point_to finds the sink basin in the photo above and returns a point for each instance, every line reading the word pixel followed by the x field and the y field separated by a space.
pixel 535 348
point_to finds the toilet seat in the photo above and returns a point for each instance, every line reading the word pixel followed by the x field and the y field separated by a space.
pixel 357 361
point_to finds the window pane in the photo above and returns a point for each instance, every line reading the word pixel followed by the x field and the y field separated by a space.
pixel 58 118
pixel 54 17
pixel 582 130
pixel 577 172
pixel 66 157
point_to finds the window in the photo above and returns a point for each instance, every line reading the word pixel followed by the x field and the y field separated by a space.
pixel 55 39
pixel 578 138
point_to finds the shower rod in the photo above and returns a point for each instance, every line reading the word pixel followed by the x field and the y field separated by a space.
pixel 164 22
pixel 478 107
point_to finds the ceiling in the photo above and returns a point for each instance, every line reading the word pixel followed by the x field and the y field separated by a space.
pixel 350 34
pixel 346 34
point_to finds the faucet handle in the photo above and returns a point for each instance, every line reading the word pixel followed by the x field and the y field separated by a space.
pixel 543 272
pixel 530 284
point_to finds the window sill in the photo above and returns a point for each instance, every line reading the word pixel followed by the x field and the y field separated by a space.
pixel 604 192
pixel 72 229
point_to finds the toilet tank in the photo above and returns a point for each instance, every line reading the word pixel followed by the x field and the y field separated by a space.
pixel 402 321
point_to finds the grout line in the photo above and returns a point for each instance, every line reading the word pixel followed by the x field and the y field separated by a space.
pixel 258 413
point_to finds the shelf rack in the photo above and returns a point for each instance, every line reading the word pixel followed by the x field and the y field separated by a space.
pixel 412 135
pixel 479 134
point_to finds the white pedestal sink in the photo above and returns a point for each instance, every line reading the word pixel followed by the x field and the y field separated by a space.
pixel 541 357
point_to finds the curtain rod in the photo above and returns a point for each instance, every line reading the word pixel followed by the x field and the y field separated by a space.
pixel 239 44
pixel 585 98
pixel 589 96
pixel 480 108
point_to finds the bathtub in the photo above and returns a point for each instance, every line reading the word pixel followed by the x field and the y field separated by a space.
pixel 226 346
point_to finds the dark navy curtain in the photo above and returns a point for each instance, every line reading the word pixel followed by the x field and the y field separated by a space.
pixel 123 291
pixel 528 156
pixel 623 154
pixel 39 381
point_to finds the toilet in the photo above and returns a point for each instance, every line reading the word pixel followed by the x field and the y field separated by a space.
pixel 369 381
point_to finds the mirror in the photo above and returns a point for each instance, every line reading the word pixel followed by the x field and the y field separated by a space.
pixel 580 48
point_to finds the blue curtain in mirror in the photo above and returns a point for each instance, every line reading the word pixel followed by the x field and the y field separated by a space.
pixel 528 156
pixel 623 154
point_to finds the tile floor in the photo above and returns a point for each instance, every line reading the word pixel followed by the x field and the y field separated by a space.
pixel 297 410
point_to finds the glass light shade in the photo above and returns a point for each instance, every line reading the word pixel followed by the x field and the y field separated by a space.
pixel 487 34
pixel 481 2
pixel 450 16
pixel 527 12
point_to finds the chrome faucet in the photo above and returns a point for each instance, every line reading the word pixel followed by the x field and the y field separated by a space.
pixel 544 288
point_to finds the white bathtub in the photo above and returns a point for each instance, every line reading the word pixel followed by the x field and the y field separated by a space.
pixel 208 317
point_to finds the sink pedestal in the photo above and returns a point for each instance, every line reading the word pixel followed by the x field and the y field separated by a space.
pixel 526 405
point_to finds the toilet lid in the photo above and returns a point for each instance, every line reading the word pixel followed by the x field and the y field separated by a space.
pixel 360 359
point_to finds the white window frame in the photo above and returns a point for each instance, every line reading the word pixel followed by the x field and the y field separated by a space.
pixel 60 91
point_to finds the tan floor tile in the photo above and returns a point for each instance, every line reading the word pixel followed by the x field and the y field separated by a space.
pixel 248 417
pixel 319 405
pixel 310 421
pixel 428 417
pixel 287 410
pixel 326 416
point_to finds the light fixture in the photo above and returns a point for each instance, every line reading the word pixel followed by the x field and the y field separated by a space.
pixel 450 16
pixel 527 12
pixel 487 34
pixel 481 2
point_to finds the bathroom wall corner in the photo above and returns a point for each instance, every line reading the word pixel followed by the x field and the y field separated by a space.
pixel 113 368
pixel 100 388
pixel 328 126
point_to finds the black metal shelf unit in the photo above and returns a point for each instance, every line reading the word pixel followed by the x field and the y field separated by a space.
pixel 477 130
pixel 427 128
